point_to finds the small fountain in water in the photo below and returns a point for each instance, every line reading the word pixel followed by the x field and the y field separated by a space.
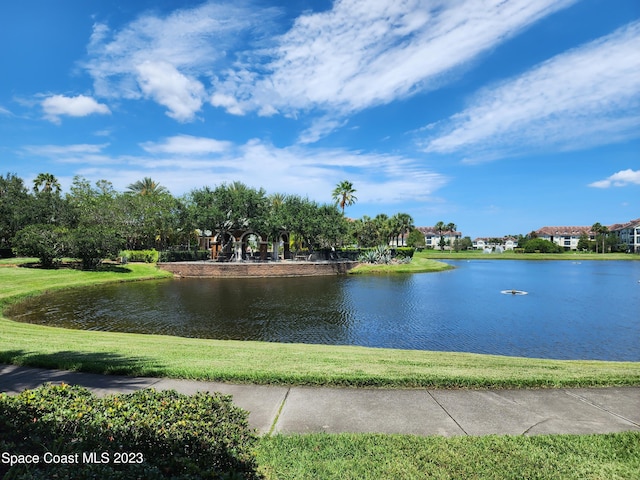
pixel 513 292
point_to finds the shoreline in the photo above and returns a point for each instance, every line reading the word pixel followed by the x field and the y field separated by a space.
pixel 267 363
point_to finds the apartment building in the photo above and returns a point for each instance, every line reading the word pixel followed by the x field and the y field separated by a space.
pixel 482 243
pixel 628 233
pixel 568 237
pixel 432 237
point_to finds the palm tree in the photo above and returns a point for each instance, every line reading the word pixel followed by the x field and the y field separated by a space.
pixel 343 194
pixel 440 226
pixel 451 227
pixel 601 230
pixel 46 182
pixel 146 186
pixel 402 223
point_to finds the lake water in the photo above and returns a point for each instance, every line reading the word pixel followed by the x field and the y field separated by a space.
pixel 573 310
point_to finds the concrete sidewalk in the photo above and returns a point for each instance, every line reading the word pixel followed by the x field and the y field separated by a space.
pixel 420 412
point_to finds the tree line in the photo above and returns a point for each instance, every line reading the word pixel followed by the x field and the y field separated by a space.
pixel 93 221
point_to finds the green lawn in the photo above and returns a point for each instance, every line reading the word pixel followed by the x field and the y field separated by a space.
pixel 419 264
pixel 511 255
pixel 369 456
pixel 260 362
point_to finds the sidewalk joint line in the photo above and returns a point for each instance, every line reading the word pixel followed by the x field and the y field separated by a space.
pixel 448 414
pixel 600 407
pixel 277 417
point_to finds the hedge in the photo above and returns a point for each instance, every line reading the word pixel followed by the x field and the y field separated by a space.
pixel 184 255
pixel 146 256
pixel 146 434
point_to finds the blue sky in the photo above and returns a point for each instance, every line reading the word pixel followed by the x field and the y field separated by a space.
pixel 499 116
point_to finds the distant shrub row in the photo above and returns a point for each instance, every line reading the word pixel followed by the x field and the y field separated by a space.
pixel 146 434
pixel 395 252
pixel 147 256
pixel 184 255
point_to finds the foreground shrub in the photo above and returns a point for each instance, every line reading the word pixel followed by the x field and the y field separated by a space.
pixel 146 434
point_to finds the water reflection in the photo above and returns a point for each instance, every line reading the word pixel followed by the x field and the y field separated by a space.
pixel 587 310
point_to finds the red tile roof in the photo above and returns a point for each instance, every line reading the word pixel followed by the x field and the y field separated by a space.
pixel 563 231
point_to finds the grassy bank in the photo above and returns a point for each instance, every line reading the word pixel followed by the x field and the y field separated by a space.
pixel 366 456
pixel 259 362
pixel 419 264
pixel 511 255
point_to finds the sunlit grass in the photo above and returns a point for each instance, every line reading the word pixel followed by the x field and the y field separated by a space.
pixel 511 255
pixel 419 264
pixel 370 456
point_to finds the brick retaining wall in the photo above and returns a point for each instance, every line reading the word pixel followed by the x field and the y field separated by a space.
pixel 256 269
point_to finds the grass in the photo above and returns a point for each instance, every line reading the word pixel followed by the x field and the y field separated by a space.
pixel 511 255
pixel 265 363
pixel 419 264
pixel 427 260
pixel 373 456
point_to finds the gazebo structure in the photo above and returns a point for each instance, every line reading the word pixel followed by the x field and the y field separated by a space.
pixel 246 245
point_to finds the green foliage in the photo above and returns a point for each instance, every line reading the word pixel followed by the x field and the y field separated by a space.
pixel 344 194
pixel 415 238
pixel 14 208
pixel 377 255
pixel 229 207
pixel 92 244
pixel 161 434
pixel 404 252
pixel 46 242
pixel 543 246
pixel 583 243
pixel 146 256
pixel 314 226
pixel 183 255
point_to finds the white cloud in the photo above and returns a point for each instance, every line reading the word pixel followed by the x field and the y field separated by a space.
pixel 619 179
pixel 227 102
pixel 187 145
pixel 183 162
pixel 62 150
pixel 4 111
pixel 353 56
pixel 167 86
pixel 362 53
pixel 56 106
pixel 585 97
pixel 83 153
pixel 320 128
pixel 166 58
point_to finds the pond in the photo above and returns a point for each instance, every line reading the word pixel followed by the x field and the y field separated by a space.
pixel 572 310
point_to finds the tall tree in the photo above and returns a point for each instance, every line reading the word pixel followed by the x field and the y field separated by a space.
pixel 600 230
pixel 451 227
pixel 401 223
pixel 47 183
pixel 146 186
pixel 14 208
pixel 344 194
pixel 440 227
pixel 47 205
